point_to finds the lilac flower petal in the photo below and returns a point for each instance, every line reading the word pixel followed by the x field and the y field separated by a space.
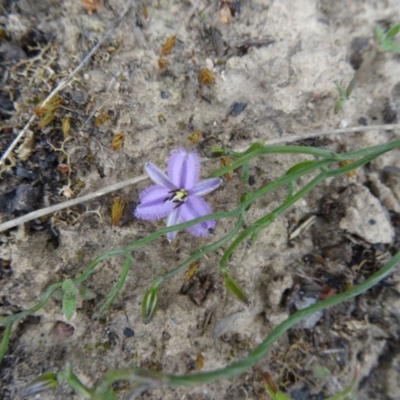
pixel 173 219
pixel 158 176
pixel 152 205
pixel 184 169
pixel 196 207
pixel 205 186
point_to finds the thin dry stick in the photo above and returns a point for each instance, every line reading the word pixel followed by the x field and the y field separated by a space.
pixel 70 203
pixel 65 82
pixel 355 129
pixel 133 181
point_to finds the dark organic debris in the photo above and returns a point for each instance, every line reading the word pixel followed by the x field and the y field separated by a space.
pixel 6 106
pixel 197 288
pixel 128 215
pixel 5 269
pixel 359 46
pixel 236 109
pixel 389 115
pixel 25 173
pixel 242 47
pixel 21 200
pixel 62 330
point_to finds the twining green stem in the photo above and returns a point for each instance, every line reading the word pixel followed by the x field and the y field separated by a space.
pixel 204 250
pixel 121 281
pixel 259 150
pixel 225 214
pixel 75 383
pixel 5 340
pixel 156 379
pixel 88 271
pixel 51 289
pixel 265 221
pixel 241 159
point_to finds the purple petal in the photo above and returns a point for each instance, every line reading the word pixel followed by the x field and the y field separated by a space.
pixel 173 219
pixel 158 176
pixel 196 207
pixel 206 186
pixel 152 205
pixel 184 169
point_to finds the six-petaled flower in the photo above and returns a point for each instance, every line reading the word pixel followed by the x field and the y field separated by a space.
pixel 178 195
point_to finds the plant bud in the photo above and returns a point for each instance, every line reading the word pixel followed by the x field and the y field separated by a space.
pixel 149 305
pixel 234 287
pixel 44 382
pixel 215 152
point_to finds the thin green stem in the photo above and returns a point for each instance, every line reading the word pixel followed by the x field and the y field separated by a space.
pixel 51 289
pixel 5 341
pixel 246 156
pixel 265 221
pixel 204 250
pixel 225 214
pixel 75 383
pixel 156 379
pixel 42 302
pixel 261 350
pixel 121 281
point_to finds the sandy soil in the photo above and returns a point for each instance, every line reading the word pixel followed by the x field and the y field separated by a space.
pixel 280 58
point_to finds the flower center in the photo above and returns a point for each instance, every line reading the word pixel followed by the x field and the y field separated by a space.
pixel 178 196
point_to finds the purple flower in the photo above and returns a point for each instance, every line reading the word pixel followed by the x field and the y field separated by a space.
pixel 178 195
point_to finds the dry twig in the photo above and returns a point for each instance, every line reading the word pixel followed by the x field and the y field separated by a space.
pixel 70 203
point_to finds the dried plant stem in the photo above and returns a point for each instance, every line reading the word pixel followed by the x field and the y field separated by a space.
pixel 66 81
pixel 70 203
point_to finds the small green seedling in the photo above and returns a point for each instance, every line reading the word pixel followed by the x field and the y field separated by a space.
pixel 344 94
pixel 72 296
pixel 387 40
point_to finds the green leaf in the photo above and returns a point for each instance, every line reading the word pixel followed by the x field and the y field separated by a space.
pixel 58 294
pixel 380 35
pixel 393 31
pixel 86 294
pixel 254 146
pixel 394 47
pixel 338 105
pixel 341 90
pixel 69 301
pixel 299 166
pixel 149 305
pixel 350 88
pixel 320 372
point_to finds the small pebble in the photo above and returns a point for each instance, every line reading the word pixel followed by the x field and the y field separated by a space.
pixel 252 180
pixel 237 108
pixel 363 121
pixel 128 332
pixel 25 173
pixel 164 95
